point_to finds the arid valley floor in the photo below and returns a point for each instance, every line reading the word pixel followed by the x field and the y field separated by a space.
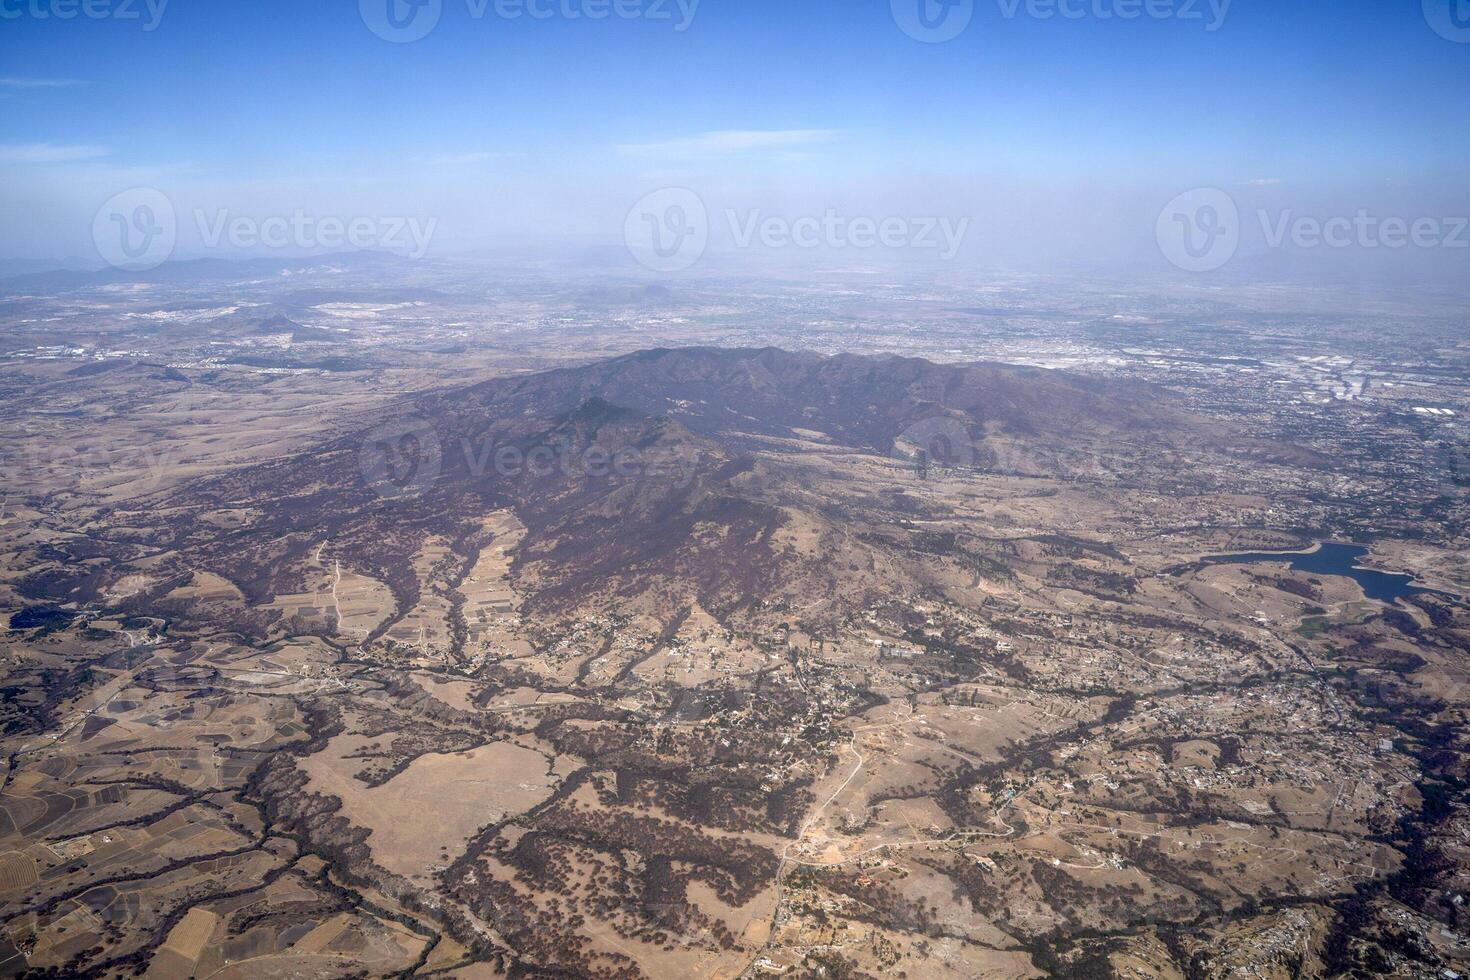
pixel 611 630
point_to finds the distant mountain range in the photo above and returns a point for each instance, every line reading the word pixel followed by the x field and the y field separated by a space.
pixel 81 275
pixel 10 268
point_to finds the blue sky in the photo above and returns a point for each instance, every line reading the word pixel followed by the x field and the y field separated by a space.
pixel 504 128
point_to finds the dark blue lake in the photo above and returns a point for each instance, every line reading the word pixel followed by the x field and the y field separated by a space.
pixel 1333 559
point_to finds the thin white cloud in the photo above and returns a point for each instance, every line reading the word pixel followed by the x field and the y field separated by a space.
pixel 724 142
pixel 456 159
pixel 1263 182
pixel 48 153
pixel 40 82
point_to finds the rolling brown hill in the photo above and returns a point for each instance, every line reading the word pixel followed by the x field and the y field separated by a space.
pixel 665 472
pixel 858 401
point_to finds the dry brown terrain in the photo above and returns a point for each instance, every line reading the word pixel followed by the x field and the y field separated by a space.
pixel 737 663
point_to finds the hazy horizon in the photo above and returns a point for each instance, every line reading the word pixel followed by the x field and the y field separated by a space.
pixel 1042 136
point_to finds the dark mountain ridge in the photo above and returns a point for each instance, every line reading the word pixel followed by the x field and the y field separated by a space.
pixel 667 471
pixel 860 401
